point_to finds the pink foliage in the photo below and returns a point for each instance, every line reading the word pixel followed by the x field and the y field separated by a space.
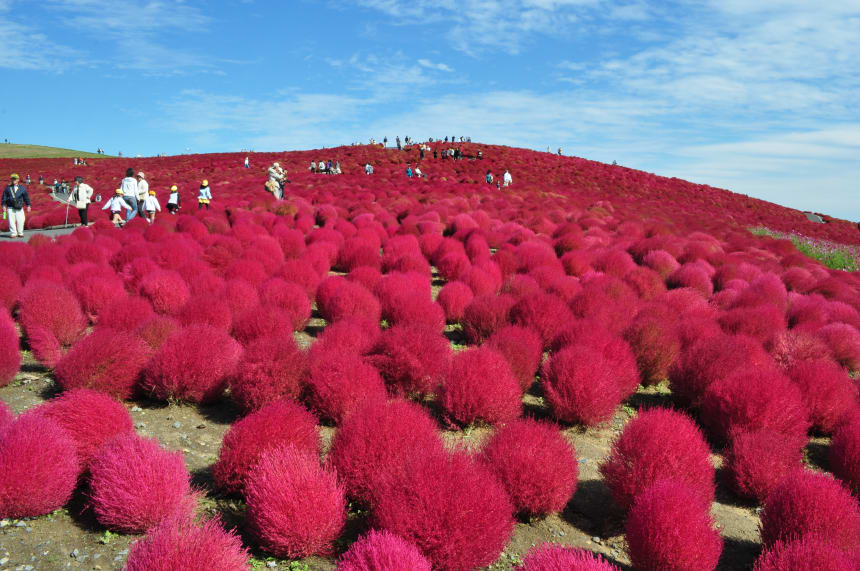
pixel 827 391
pixel 757 461
pixel 552 557
pixel 271 367
pixel 481 387
pixel 545 313
pixel 844 455
pixel 10 353
pixel 522 348
pixel 382 551
pixel 165 290
pixel 51 306
pixel 296 508
pixel 485 315
pixel 809 552
pixel 341 383
pixel 454 297
pixel 844 342
pixel 411 359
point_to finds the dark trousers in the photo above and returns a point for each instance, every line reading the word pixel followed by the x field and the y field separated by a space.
pixel 82 212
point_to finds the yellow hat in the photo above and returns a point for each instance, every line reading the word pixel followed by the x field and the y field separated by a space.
pixel 204 183
pixel 174 188
pixel 152 193
pixel 14 175
pixel 119 191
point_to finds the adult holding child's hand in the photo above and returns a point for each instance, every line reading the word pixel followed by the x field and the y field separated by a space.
pixel 14 198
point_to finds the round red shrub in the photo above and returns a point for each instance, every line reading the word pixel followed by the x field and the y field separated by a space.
pixel 661 262
pixel 809 552
pixel 341 383
pixel 296 508
pixel 583 385
pixel 90 418
pixel 179 543
pixel 711 358
pixel 358 252
pixel 692 275
pixel 760 322
pixel 155 330
pixel 545 313
pixel 107 360
pixel 757 461
pixel 278 423
pixel 134 484
pixel 451 507
pixel 607 301
pixel 300 271
pixel 165 290
pixel 668 529
pixel 126 313
pixel 844 342
pixel 481 387
pixel 261 322
pixel 50 306
pixel 10 287
pixel 485 314
pixel 522 348
pixel 206 311
pixel 411 359
pixel 828 392
pixel 348 335
pixel 6 415
pixel 382 551
pixel 193 364
pixel 791 346
pixel 553 557
pixel 366 276
pixel 272 367
pixel 350 299
pixel 454 297
pixel 810 503
pixel 377 441
pixel 659 444
pixel 10 353
pixel 654 340
pixel 844 454
pixel 39 467
pixel 752 400
pixel 536 465
pixel 97 291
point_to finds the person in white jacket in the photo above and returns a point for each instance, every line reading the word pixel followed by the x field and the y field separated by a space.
pixel 151 206
pixel 508 179
pixel 204 195
pixel 174 201
pixel 81 197
pixel 129 193
pixel 142 191
pixel 116 204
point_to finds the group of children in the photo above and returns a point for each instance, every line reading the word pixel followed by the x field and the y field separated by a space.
pixel 151 205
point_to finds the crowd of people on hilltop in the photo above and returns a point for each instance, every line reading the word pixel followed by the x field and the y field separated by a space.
pixel 325 167
pixel 80 162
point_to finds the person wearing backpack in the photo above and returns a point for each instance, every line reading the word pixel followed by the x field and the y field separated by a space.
pixel 14 198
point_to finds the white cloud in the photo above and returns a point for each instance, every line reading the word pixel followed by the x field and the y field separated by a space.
pixel 437 66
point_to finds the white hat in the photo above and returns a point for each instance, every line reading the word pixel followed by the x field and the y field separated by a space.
pixel 140 174
pixel 276 165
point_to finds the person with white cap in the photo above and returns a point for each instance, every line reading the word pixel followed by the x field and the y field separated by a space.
pixel 14 197
pixel 276 180
pixel 82 196
pixel 129 193
pixel 142 191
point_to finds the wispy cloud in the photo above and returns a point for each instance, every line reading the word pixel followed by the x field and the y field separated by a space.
pixel 437 66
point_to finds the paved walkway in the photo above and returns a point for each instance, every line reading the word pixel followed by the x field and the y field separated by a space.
pixel 50 232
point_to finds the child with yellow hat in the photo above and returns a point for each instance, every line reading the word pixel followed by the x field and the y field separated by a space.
pixel 204 195
pixel 151 205
pixel 174 201
pixel 116 204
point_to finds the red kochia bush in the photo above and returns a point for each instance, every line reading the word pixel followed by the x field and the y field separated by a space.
pixel 10 354
pixel 206 310
pixel 844 341
pixel 382 551
pixel 454 297
pixel 134 484
pixel 522 348
pixel 350 299
pixel 450 507
pixel 341 383
pixel 668 529
pixel 552 557
pixel 165 290
pixel 194 364
pixel 536 465
pixel 289 297
pixel 810 553
pixel 761 322
pixel 411 358
pixel 376 443
pixel 51 306
pixel 10 286
pixel 107 360
pixel 654 340
pixel 155 330
pixel 179 543
pixel 755 400
pixel 827 390
pixel 659 444
pixel 296 508
pixel 272 367
pixel 480 387
pixel 350 335
pixel 126 313
pixel 6 415
pixel 845 452
pixel 810 503
pixel 38 467
pixel 279 423
pixel 545 313
pixel 581 385
pixel 97 291
pixel 90 418
pixel 485 315
pixel 757 461
pixel 261 321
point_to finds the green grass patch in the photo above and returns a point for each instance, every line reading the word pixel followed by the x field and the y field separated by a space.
pixel 834 256
pixel 12 151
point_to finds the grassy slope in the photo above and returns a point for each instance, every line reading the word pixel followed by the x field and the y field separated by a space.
pixel 38 151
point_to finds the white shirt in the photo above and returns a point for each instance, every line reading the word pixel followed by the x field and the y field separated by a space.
pixel 129 187
pixel 508 178
pixel 150 204
pixel 174 198
pixel 142 189
pixel 116 204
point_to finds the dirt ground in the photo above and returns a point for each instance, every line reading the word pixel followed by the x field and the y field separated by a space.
pixel 71 538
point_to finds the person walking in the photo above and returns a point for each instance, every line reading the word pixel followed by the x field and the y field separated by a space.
pixel 116 204
pixel 142 192
pixel 151 205
pixel 247 163
pixel 82 196
pixel 508 179
pixel 204 195
pixel 129 193
pixel 368 168
pixel 275 183
pixel 14 198
pixel 174 201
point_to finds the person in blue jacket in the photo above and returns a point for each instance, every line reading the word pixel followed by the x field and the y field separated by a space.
pixel 409 171
pixel 14 198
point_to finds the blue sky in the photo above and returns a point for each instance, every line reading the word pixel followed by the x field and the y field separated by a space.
pixel 757 97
